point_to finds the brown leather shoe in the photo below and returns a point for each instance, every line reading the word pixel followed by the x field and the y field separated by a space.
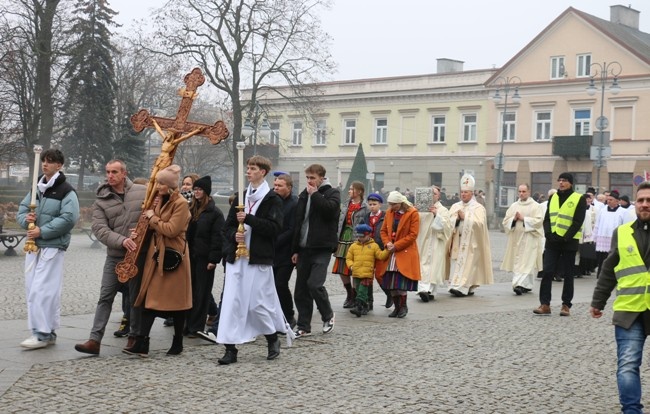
pixel 542 310
pixel 130 342
pixel 89 347
pixel 565 311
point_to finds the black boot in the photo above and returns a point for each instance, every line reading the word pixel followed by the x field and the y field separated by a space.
pixel 403 309
pixel 395 311
pixel 230 357
pixel 349 298
pixel 358 309
pixel 274 346
pixel 365 308
pixel 139 348
pixel 389 299
pixel 124 328
pixel 371 298
pixel 177 346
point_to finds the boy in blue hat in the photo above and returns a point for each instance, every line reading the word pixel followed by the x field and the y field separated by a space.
pixel 360 260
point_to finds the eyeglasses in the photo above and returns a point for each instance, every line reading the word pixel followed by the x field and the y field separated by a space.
pixel 562 180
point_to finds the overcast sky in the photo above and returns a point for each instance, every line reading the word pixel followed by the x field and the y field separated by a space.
pixel 378 38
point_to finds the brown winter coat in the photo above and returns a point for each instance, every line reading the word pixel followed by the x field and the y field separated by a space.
pixel 406 248
pixel 162 290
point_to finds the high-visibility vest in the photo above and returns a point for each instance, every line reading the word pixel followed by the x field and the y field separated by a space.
pixel 562 217
pixel 632 276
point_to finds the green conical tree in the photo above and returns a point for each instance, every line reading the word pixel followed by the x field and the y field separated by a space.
pixel 357 173
pixel 90 105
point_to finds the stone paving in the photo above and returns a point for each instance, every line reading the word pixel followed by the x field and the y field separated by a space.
pixel 481 354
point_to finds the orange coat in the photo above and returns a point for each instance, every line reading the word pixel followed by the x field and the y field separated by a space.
pixel 406 248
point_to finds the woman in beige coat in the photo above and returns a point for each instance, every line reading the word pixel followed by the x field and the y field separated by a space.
pixel 165 293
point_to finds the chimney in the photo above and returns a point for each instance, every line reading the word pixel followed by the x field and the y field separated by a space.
pixel 449 65
pixel 626 16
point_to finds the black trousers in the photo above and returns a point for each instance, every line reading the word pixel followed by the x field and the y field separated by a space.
pixel 557 262
pixel 282 275
pixel 202 282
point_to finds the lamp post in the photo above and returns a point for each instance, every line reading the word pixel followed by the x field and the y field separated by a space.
pixel 250 127
pixel 602 71
pixel 507 85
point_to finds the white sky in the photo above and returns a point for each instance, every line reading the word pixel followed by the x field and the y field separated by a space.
pixel 378 38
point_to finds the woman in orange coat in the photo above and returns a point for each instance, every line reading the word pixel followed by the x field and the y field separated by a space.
pixel 399 234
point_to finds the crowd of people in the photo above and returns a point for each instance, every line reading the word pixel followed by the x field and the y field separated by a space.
pixel 268 231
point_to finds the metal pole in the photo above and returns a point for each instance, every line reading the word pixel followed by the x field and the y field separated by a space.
pixel 501 158
pixel 603 78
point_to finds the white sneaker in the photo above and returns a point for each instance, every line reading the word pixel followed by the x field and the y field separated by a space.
pixel 328 325
pixel 207 335
pixel 34 343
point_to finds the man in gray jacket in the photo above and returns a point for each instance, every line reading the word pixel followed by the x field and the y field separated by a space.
pixel 115 213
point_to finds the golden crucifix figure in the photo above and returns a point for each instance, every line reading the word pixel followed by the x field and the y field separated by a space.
pixel 173 132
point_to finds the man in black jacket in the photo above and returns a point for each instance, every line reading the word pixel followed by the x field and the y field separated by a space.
pixel 282 265
pixel 562 228
pixel 250 304
pixel 315 238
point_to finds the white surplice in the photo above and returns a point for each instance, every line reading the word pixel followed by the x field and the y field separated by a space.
pixel 432 244
pixel 523 250
pixel 250 304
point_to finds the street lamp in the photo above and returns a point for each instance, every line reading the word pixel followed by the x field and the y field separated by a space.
pixel 250 128
pixel 505 84
pixel 603 71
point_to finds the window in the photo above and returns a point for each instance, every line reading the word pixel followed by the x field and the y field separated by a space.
pixel 381 130
pixel 320 136
pixel 541 182
pixel 438 128
pixel 582 121
pixel 582 66
pixel 508 121
pixel 435 178
pixel 557 67
pixel 623 183
pixel 350 131
pixel 378 183
pixel 296 135
pixel 469 128
pixel 543 126
pixel 274 139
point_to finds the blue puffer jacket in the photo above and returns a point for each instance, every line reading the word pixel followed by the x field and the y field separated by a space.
pixel 57 212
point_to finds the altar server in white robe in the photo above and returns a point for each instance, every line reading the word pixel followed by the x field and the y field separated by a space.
pixel 523 224
pixel 435 230
pixel 471 258
pixel 250 304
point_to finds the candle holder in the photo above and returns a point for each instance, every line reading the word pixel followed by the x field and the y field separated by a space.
pixel 30 245
pixel 241 251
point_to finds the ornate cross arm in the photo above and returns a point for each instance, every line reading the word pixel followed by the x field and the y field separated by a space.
pixel 215 133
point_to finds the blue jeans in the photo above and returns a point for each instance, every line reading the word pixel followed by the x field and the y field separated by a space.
pixel 629 351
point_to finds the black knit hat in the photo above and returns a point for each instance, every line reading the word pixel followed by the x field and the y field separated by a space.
pixel 615 194
pixel 566 176
pixel 205 184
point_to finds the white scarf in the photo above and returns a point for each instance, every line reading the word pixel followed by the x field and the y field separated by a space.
pixel 253 201
pixel 42 185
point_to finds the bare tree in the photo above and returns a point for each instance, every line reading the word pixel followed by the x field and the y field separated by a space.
pixel 247 44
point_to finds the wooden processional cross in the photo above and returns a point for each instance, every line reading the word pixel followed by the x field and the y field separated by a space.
pixel 173 132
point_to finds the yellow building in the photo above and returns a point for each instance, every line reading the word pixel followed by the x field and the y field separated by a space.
pixel 430 129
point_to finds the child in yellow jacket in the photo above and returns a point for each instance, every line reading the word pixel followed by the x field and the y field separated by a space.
pixel 361 259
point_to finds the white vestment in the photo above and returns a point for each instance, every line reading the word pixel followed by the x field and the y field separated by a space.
pixel 470 248
pixel 523 250
pixel 432 244
pixel 250 304
pixel 606 222
pixel 43 285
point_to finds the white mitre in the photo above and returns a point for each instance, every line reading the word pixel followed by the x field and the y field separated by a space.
pixel 467 183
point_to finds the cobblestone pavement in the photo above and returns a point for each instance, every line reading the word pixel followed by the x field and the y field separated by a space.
pixel 481 354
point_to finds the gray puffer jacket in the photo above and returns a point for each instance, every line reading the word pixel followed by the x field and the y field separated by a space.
pixel 113 218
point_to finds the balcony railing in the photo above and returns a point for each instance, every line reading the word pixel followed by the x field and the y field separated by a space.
pixel 572 146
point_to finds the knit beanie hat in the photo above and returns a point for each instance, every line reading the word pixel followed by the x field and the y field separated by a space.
pixel 170 176
pixel 205 184
pixel 566 176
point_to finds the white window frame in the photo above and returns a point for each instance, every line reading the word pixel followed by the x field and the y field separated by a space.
pixel 583 65
pixel 543 127
pixel 558 70
pixel 470 127
pixel 584 124
pixel 274 138
pixel 509 127
pixel 438 129
pixel 320 134
pixel 296 133
pixel 349 131
pixel 381 131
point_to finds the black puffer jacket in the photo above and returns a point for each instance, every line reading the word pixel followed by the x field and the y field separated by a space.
pixel 324 211
pixel 205 235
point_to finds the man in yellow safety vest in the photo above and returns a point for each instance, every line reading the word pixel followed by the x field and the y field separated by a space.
pixel 626 269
